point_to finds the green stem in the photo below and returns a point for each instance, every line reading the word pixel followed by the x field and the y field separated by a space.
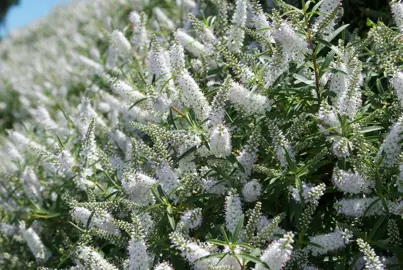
pixel 315 65
pixel 239 262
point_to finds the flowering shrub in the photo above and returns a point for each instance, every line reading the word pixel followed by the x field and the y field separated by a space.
pixel 135 136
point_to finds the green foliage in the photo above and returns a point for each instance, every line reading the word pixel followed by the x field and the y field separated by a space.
pixel 256 139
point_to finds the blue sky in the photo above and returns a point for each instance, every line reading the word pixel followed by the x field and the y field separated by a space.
pixel 28 11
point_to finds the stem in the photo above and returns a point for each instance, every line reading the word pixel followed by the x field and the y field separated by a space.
pixel 99 186
pixel 232 248
pixel 239 262
pixel 315 65
pixel 301 237
pixel 177 110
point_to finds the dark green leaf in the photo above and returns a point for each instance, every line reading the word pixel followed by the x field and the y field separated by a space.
pixel 238 228
pixel 303 79
pixel 370 206
pixel 187 152
pixel 250 258
pixel 378 224
pixel 370 129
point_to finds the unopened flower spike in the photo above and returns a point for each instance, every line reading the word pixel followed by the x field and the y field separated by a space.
pixel 372 261
pixel 329 11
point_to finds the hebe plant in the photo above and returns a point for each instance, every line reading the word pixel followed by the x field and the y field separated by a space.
pixel 235 137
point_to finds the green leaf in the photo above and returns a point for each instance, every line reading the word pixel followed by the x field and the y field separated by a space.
pixel 137 102
pixel 291 163
pixel 385 205
pixel 380 160
pixel 205 142
pixel 111 194
pixel 165 84
pixel 171 118
pixel 331 46
pixel 217 242
pixel 170 218
pixel 87 226
pixel 75 226
pixel 337 32
pixel 223 257
pixel 306 5
pixel 224 233
pixel 187 152
pixel 335 71
pixel 231 158
pixel 315 7
pixel 110 179
pixel 238 228
pixel 241 244
pixel 378 184
pixel 377 225
pixel 379 86
pixel 169 209
pixel 326 63
pixel 298 185
pixel 287 6
pixel 152 207
pixel 157 196
pixel 141 76
pixel 249 258
pixel 397 250
pixel 161 192
pixel 190 120
pixel 394 195
pixel 303 79
pixel 212 256
pixel 370 129
pixel 47 215
pixel 370 23
pixel 256 252
pixel 60 142
pixel 310 244
pixel 370 206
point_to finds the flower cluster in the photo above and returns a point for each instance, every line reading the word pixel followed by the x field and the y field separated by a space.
pixel 327 242
pixel 209 134
pixel 278 253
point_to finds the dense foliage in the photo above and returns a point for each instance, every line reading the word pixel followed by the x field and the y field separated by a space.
pixel 201 135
